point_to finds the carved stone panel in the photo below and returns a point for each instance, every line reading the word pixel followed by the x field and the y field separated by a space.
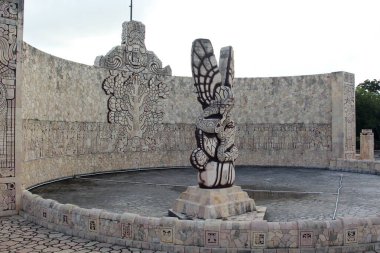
pixel 306 238
pixel 349 116
pixel 7 197
pixel 296 136
pixel 10 35
pixel 8 9
pixel 258 239
pixel 44 139
pixel 126 230
pixel 211 238
pixel 137 89
pixel 351 236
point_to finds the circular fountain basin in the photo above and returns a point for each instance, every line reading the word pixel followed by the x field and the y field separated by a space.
pixel 290 194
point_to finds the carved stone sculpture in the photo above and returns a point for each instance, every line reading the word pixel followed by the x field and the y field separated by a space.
pixel 137 89
pixel 3 120
pixel 215 130
pixel 216 197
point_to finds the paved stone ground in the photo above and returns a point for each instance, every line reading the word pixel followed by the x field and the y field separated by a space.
pixel 281 190
pixel 20 236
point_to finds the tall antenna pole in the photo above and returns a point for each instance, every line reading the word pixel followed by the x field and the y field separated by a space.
pixel 131 7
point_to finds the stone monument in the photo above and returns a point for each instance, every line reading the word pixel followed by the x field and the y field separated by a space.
pixel 367 143
pixel 137 88
pixel 214 157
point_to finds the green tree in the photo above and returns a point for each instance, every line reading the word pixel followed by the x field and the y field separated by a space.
pixel 367 97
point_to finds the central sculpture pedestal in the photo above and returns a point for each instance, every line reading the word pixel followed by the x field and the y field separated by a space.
pixel 199 203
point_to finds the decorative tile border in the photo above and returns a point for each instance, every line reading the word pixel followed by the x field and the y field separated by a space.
pixel 351 236
pixel 126 230
pixel 166 235
pixel 44 214
pixel 211 238
pixel 66 220
pixel 258 239
pixel 93 225
pixel 306 238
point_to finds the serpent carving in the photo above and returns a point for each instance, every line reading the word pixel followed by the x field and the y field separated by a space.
pixel 216 152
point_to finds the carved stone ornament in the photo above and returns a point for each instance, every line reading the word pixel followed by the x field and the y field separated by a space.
pixel 8 10
pixel 8 55
pixel 137 89
pixel 215 131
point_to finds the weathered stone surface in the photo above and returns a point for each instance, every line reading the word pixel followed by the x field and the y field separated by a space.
pixel 202 203
pixel 284 121
pixel 367 145
pixel 69 132
pixel 216 152
pixel 11 33
pixel 137 88
pixel 150 233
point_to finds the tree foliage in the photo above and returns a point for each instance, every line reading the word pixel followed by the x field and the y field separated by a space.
pixel 367 96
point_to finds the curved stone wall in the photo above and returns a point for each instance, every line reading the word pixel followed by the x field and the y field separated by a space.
pixel 173 235
pixel 286 121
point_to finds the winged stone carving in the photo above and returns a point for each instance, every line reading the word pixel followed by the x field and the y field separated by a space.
pixel 215 131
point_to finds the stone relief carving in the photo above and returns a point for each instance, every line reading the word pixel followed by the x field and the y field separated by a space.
pixel 8 9
pixel 284 136
pixel 137 89
pixel 43 139
pixel 215 131
pixel 7 196
pixel 349 115
pixel 46 139
pixel 8 36
pixel 136 104
pixel 3 120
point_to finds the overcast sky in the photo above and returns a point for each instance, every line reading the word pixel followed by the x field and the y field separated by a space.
pixel 269 37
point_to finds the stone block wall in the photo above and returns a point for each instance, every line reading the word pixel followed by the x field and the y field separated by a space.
pixel 358 166
pixel 172 235
pixel 286 121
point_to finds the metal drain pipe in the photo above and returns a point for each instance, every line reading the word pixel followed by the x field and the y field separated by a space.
pixel 337 196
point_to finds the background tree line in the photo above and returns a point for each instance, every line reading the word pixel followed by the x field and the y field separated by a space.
pixel 367 95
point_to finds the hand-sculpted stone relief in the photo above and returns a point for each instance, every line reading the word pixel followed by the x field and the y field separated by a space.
pixel 7 196
pixel 8 35
pixel 215 133
pixel 8 9
pixel 3 120
pixel 135 104
pixel 8 50
pixel 44 139
pixel 297 136
pixel 349 115
pixel 137 89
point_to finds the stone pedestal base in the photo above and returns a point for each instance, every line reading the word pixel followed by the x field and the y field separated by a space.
pixel 199 203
